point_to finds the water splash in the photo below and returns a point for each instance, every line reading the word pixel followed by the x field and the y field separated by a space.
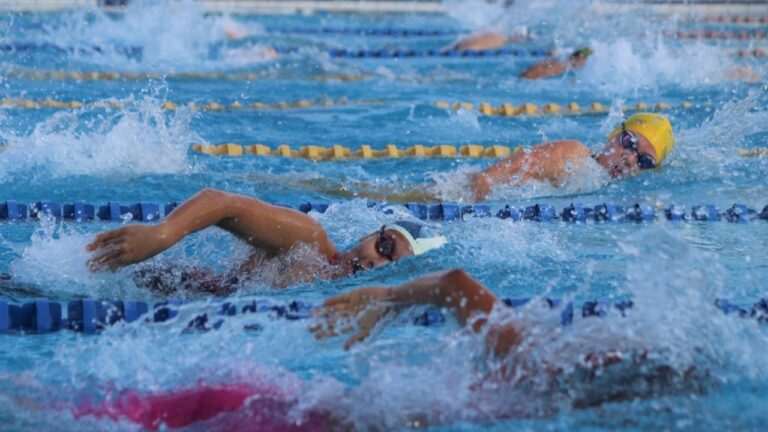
pixel 632 68
pixel 710 149
pixel 116 144
pixel 55 261
pixel 171 35
pixel 674 342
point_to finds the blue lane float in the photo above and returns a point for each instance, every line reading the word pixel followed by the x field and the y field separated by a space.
pixel 381 53
pixel 12 48
pixel 89 316
pixel 80 211
pixel 384 53
pixel 114 211
pixel 383 32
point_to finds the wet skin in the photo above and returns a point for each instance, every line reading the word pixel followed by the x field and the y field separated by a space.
pixel 621 162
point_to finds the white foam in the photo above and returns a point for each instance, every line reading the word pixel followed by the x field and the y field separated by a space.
pixel 118 144
pixel 55 260
pixel 709 150
pixel 175 35
pixel 630 68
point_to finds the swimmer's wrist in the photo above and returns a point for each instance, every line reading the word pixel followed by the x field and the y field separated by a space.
pixel 167 235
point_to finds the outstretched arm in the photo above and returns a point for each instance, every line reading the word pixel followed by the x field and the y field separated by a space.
pixel 545 69
pixel 454 290
pixel 552 162
pixel 344 188
pixel 553 67
pixel 480 41
pixel 265 226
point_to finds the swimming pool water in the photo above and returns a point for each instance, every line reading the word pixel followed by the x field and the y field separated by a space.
pixel 672 271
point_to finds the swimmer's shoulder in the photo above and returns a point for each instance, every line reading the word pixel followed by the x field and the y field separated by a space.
pixel 567 148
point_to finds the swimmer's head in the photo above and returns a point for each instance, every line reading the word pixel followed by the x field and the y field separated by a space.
pixel 582 53
pixel 393 242
pixel 642 141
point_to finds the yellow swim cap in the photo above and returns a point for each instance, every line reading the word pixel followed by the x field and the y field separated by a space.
pixel 656 128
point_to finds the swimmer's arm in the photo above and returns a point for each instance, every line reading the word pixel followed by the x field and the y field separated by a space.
pixel 480 41
pixel 467 298
pixel 544 162
pixel 400 193
pixel 272 228
pixel 454 290
pixel 545 69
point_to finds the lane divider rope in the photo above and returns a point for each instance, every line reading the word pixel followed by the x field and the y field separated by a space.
pixel 717 35
pixel 416 53
pixel 729 19
pixel 37 75
pixel 359 31
pixel 90 316
pixel 388 32
pixel 323 102
pixel 339 153
pixel 81 211
pixel 503 110
pixel 573 108
pixel 129 51
pixel 137 51
pixel 399 53
pixel 72 75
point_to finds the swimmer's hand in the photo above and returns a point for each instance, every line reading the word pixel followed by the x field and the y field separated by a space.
pixel 127 245
pixel 367 305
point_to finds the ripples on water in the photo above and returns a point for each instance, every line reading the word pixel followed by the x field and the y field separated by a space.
pixel 709 368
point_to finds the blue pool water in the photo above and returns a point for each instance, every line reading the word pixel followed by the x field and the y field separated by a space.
pixel 672 271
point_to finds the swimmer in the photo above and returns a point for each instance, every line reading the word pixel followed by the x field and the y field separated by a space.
pixel 552 67
pixel 235 31
pixel 485 40
pixel 273 232
pixel 507 344
pixel 640 143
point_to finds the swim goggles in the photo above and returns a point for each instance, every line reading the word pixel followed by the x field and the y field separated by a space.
pixel 385 247
pixel 385 244
pixel 629 141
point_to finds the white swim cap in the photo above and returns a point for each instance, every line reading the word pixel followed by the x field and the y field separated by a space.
pixel 420 237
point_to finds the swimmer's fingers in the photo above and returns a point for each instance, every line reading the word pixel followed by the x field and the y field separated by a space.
pixel 358 299
pixel 328 327
pixel 105 239
pixel 337 301
pixel 110 258
pixel 366 323
pixel 331 309
pixel 357 337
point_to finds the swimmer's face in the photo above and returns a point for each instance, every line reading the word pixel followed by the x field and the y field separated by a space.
pixel 373 250
pixel 620 161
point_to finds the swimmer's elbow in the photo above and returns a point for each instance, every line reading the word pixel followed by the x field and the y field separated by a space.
pixel 460 282
pixel 456 277
pixel 212 194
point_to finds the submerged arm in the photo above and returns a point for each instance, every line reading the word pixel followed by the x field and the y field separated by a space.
pixel 358 189
pixel 480 41
pixel 454 290
pixel 272 228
